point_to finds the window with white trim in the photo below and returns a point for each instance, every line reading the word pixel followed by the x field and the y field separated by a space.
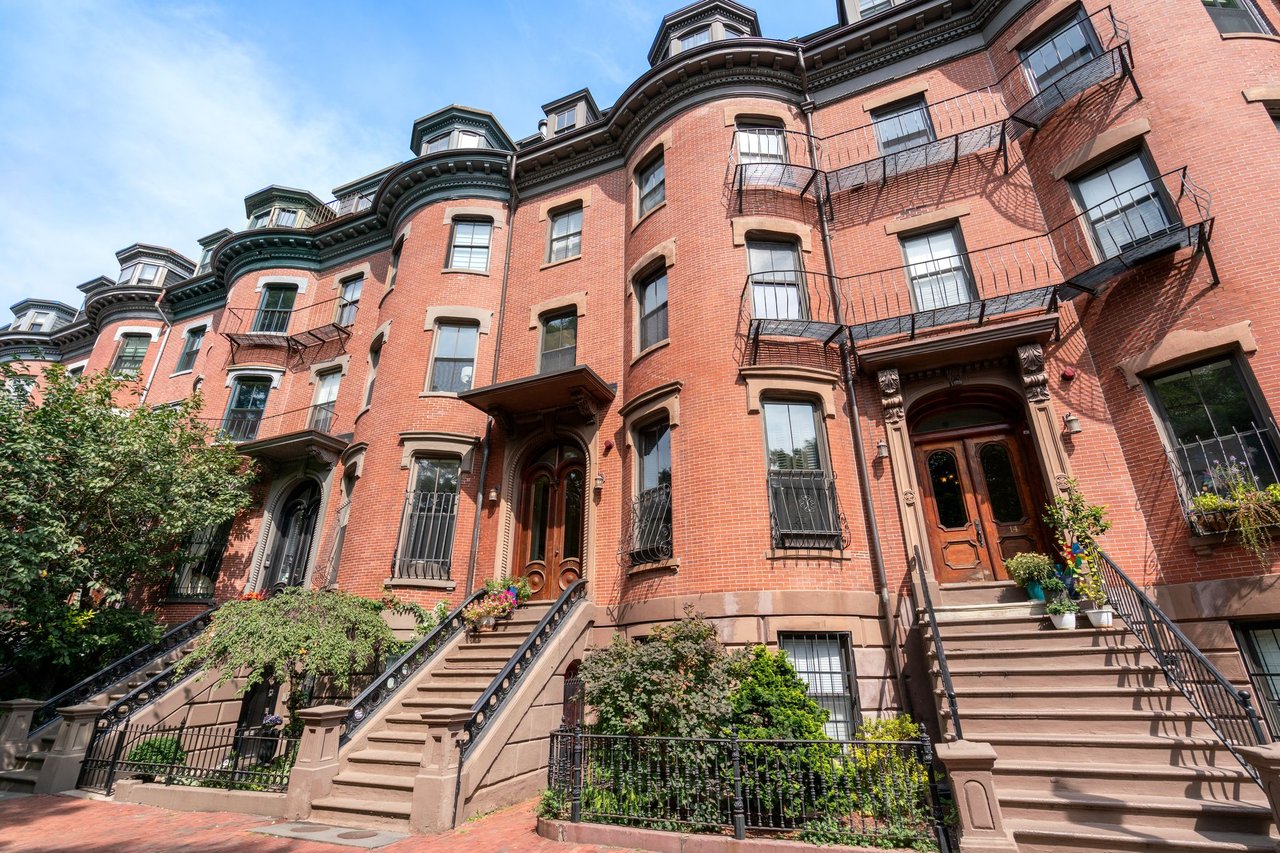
pixel 324 406
pixel 1064 48
pixel 129 357
pixel 823 661
pixel 455 357
pixel 469 246
pixel 903 125
pixel 566 234
pixel 1125 205
pixel 566 119
pixel 651 300
pixel 191 343
pixel 349 300
pixel 775 274
pixel 937 269
pixel 651 181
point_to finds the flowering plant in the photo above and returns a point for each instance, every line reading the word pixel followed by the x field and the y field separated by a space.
pixel 270 721
pixel 253 596
pixel 496 605
pixel 1231 497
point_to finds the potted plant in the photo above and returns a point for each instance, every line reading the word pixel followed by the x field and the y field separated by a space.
pixel 482 615
pixel 1062 611
pixel 518 587
pixel 1211 512
pixel 1030 571
pixel 1077 525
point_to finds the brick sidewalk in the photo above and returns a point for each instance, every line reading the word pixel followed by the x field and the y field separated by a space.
pixel 43 824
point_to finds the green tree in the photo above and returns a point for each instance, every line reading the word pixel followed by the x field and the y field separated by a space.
pixel 295 637
pixel 99 494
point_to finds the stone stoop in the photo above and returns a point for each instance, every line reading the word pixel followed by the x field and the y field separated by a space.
pixel 21 778
pixel 1095 751
pixel 374 787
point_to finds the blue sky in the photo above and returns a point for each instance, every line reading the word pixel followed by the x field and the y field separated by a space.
pixel 124 122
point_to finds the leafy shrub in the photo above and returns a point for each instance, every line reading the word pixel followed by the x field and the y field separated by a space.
pixel 1028 567
pixel 69 644
pixel 164 749
pixel 1060 606
pixel 772 702
pixel 553 804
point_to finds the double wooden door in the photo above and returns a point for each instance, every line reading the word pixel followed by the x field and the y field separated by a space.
pixel 982 503
pixel 552 521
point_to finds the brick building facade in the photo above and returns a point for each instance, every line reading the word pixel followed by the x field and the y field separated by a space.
pixel 786 313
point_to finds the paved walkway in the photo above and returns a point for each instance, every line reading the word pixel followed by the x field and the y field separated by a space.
pixel 46 823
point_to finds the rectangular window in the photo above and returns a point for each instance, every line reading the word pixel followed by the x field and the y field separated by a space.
pixel 147 273
pixel 274 309
pixel 566 119
pixel 870 7
pixel 652 298
pixel 1215 428
pixel 286 217
pixel 1125 205
pixel 823 661
pixel 775 274
pixel 761 143
pixel 1064 49
pixel 566 235
pixel 1260 646
pixel 802 499
pixel 394 266
pixel 133 349
pixel 206 260
pixel 260 219
pixel 559 342
pixel 430 516
pixel 375 355
pixel 455 357
pixel 244 411
pixel 652 181
pixel 324 408
pixel 440 143
pixel 651 507
pixel 1235 16
pixel 349 300
pixel 190 349
pixel 196 569
pixel 39 321
pixel 903 125
pixel 467 139
pixel 469 249
pixel 126 274
pixel 693 38
pixel 937 269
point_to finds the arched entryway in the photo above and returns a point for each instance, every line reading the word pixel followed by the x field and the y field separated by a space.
pixel 552 529
pixel 982 488
pixel 294 531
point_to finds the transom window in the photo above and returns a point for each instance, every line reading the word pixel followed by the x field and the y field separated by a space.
pixel 349 300
pixel 652 182
pixel 1236 16
pixel 1065 48
pixel 455 357
pixel 566 119
pixel 937 270
pixel 903 125
pixel 469 249
pixel 1125 205
pixel 274 309
pixel 652 298
pixel 244 409
pixel 190 349
pixel 430 517
pixel 775 274
pixel 559 341
pixel 566 234
pixel 823 661
pixel 133 349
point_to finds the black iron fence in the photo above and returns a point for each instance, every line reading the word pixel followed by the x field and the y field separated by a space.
pixel 804 511
pixel 850 792
pixel 1227 709
pixel 217 756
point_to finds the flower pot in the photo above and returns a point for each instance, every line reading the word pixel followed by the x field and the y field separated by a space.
pixel 1100 618
pixel 1035 590
pixel 486 623
pixel 1063 621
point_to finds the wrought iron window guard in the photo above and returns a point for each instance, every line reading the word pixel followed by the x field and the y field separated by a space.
pixel 647 538
pixel 1254 454
pixel 804 510
pixel 427 525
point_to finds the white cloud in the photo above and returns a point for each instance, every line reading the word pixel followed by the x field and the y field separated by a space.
pixel 122 125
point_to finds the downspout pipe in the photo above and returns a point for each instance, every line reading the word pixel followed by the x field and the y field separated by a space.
pixel 497 352
pixel 846 369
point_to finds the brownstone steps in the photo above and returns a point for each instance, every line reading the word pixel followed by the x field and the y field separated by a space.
pixel 1095 698
pixel 1028 674
pixel 1137 810
pixel 1040 837
pixel 979 722
pixel 374 814
pixel 1196 782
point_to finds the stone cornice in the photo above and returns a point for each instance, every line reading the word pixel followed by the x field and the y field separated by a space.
pixel 100 306
pixel 194 294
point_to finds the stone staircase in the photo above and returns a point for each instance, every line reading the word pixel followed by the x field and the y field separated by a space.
pixel 1095 751
pixel 374 787
pixel 21 778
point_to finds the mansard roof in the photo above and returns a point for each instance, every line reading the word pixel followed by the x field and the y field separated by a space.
pixel 696 13
pixel 457 116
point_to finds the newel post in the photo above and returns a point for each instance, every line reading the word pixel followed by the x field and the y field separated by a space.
pixel 61 768
pixel 432 809
pixel 15 730
pixel 312 775
pixel 969 765
pixel 1266 760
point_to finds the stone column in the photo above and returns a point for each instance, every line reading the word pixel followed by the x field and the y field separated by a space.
pixel 969 766
pixel 15 730
pixel 61 768
pixel 902 464
pixel 1266 760
pixel 435 785
pixel 312 775
pixel 1044 423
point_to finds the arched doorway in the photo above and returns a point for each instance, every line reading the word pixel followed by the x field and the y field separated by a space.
pixel 982 489
pixel 295 529
pixel 552 520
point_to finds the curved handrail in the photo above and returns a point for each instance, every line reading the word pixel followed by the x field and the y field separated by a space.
pixel 1226 709
pixel 397 674
pixel 141 696
pixel 939 650
pixel 114 672
pixel 505 681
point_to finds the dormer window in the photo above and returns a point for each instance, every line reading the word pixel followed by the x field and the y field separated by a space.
pixel 206 259
pixel 38 321
pixel 455 139
pixel 695 37
pixel 277 217
pixel 147 273
pixel 286 217
pixel 260 219
pixel 566 119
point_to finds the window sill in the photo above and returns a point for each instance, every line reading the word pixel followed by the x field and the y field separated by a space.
pixel 359 415
pixel 453 395
pixel 549 264
pixel 669 566
pixel 806 554
pixel 419 583
pixel 181 373
pixel 652 348
pixel 206 601
pixel 649 213
pixel 1258 36
pixel 452 271
pixel 385 294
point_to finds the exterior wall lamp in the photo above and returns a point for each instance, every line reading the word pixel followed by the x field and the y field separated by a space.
pixel 493 494
pixel 599 483
pixel 1070 424
pixel 882 449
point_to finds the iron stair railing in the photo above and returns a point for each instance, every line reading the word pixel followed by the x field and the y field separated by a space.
pixel 939 649
pixel 1226 709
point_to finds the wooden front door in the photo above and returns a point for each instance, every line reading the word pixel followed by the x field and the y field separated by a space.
pixel 982 503
pixel 295 529
pixel 552 521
